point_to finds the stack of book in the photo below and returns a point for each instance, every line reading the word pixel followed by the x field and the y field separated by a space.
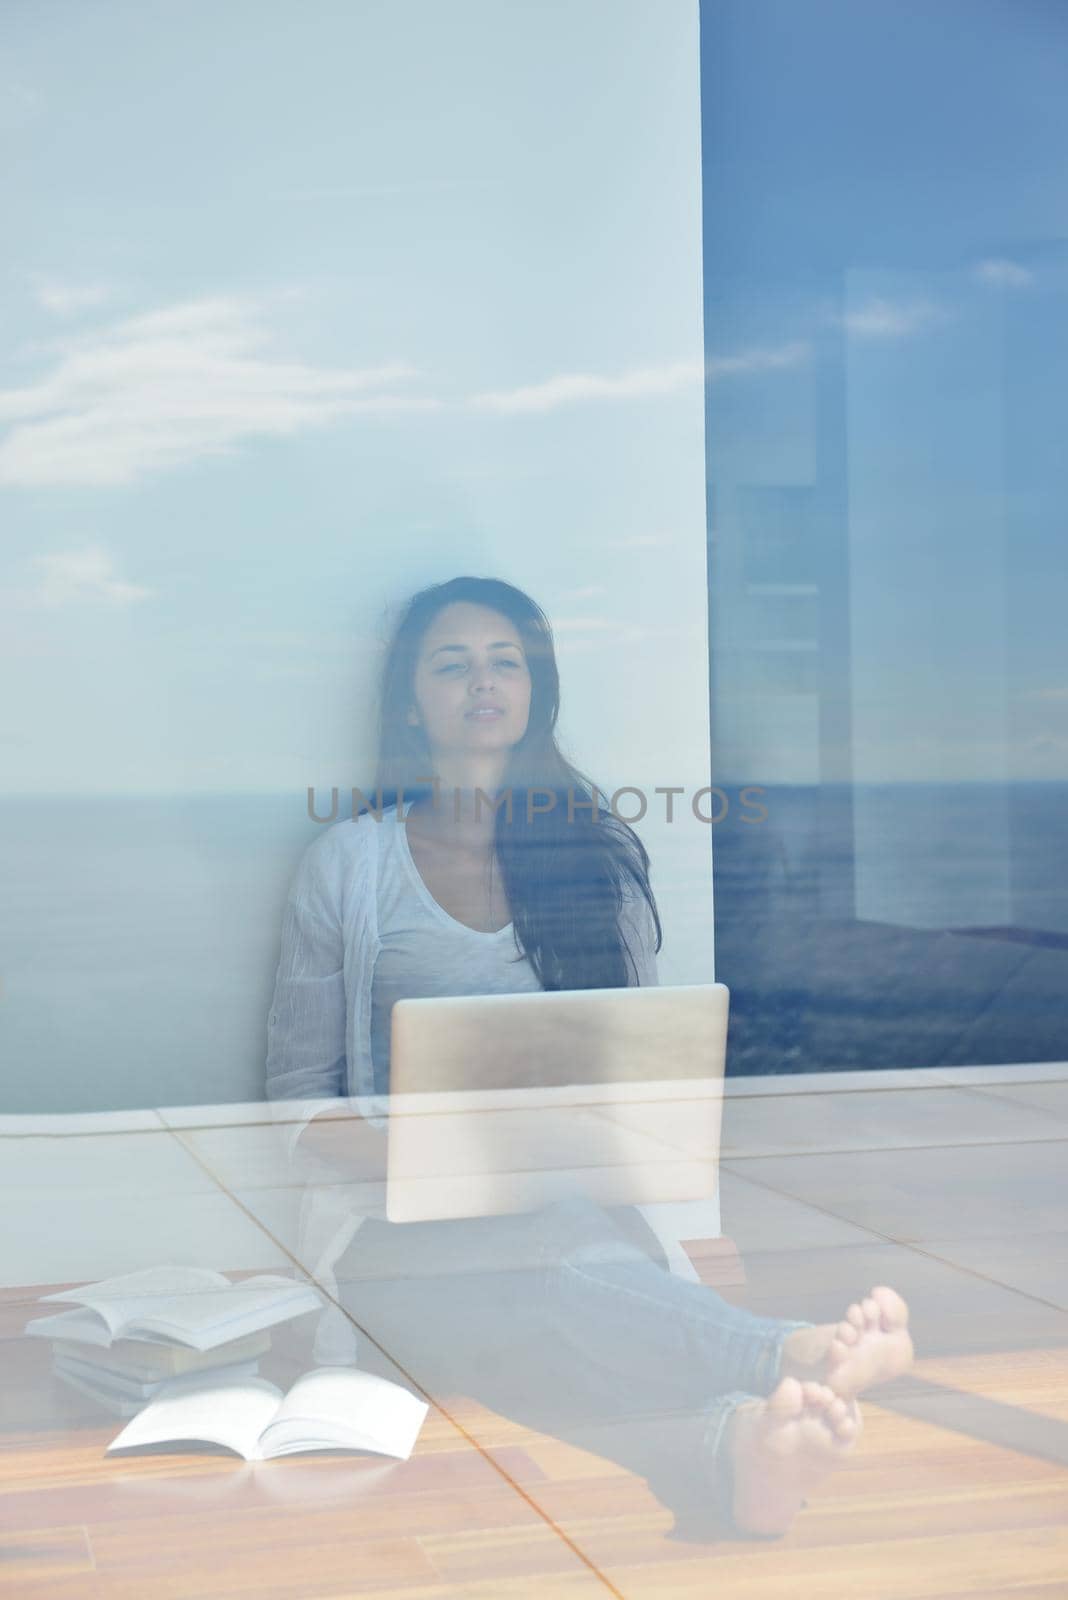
pixel 126 1374
pixel 129 1336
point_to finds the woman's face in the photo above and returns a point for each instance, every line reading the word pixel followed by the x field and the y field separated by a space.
pixel 472 682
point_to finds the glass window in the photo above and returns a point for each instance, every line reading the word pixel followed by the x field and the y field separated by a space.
pixel 887 367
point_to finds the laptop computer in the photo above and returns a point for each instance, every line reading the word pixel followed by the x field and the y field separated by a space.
pixel 505 1103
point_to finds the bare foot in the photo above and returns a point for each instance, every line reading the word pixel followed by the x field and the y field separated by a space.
pixel 782 1447
pixel 870 1345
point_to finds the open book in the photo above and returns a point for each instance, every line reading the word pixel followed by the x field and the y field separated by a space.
pixel 190 1306
pixel 333 1408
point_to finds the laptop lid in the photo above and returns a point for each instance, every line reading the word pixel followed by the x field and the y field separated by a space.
pixel 505 1103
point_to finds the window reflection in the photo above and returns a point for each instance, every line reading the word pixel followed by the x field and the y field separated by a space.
pixel 887 352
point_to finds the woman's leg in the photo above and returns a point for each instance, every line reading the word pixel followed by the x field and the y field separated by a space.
pixel 629 1315
pixel 669 1378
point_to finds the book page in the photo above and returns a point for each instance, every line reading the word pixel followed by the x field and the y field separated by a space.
pixel 213 1318
pixel 124 1298
pixel 230 1414
pixel 191 1305
pixel 80 1324
pixel 339 1406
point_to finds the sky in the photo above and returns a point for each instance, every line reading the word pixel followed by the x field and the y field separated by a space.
pixel 307 307
pixel 884 202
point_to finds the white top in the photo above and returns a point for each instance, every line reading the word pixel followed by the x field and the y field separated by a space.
pixel 425 952
pixel 344 913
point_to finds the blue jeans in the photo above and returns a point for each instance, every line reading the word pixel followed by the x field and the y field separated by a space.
pixel 501 1307
pixel 688 1348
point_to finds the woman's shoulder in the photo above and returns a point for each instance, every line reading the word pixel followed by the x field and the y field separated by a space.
pixel 345 847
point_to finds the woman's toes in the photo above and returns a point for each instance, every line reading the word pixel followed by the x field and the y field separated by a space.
pixel 871 1312
pixel 819 1399
pixel 787 1401
pixel 856 1316
pixel 894 1311
pixel 849 1425
pixel 845 1333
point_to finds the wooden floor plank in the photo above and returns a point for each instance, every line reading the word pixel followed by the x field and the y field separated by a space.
pixel 36 1553
pixel 883 1570
pixel 938 1488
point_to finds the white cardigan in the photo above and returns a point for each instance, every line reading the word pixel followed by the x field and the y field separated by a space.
pixel 319 1027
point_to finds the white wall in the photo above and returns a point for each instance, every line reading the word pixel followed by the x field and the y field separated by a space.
pixel 417 293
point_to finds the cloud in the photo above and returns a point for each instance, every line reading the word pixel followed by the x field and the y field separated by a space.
pixel 882 319
pixel 583 625
pixel 1055 692
pixel 576 387
pixel 198 379
pixel 758 359
pixel 83 576
pixel 64 300
pixel 181 383
pixel 640 383
pixel 1004 274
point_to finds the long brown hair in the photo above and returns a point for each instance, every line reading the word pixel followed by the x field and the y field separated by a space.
pixel 566 869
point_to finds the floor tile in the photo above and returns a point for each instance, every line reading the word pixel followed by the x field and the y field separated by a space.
pixel 100 1233
pixel 271 1112
pixel 1050 1099
pixel 967 1192
pixel 874 1119
pixel 794 1083
pixel 1035 1264
pixel 758 1218
pixel 247 1156
pixel 305 1220
pixel 953 1309
pixel 283 1155
pixel 1013 1072
pixel 138 1164
pixel 51 1123
pixel 222 1116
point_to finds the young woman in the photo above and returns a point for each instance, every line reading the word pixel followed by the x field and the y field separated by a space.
pixel 494 867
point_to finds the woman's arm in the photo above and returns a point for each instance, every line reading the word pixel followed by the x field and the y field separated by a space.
pixel 306 1030
pixel 306 1026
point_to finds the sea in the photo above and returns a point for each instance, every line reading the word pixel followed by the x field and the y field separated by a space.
pixel 139 935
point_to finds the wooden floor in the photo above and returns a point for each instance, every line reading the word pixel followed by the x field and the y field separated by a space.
pixel 952 1187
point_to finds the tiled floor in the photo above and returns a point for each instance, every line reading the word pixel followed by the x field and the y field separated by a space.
pixel 1051 1099
pixel 953 1187
pixel 86 1205
pixel 874 1119
pixel 946 1192
pixel 96 1233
